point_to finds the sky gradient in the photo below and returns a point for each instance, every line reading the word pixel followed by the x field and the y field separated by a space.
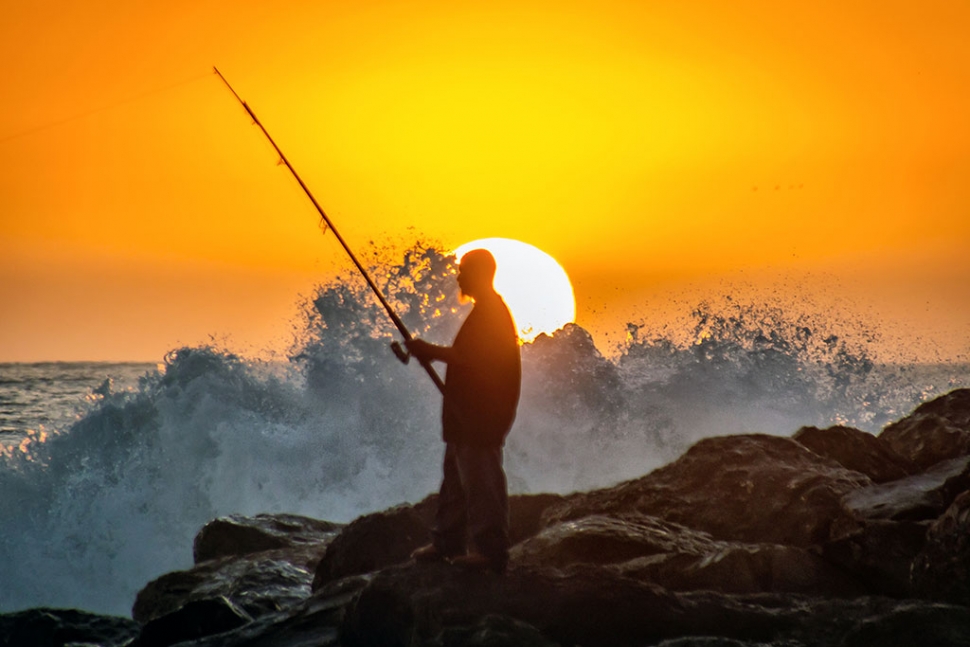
pixel 815 154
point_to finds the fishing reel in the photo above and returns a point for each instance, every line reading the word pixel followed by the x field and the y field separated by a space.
pixel 400 352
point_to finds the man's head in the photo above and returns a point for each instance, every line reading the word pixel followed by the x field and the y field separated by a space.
pixel 476 272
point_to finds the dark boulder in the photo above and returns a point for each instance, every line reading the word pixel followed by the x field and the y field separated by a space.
pixel 385 538
pixel 374 541
pixel 195 619
pixel 746 569
pixel 912 623
pixel 257 584
pixel 314 621
pixel 59 627
pixel 582 605
pixel 750 488
pixel 856 450
pixel 492 631
pixel 878 552
pixel 936 430
pixel 942 570
pixel 239 535
pixel 599 539
pixel 914 498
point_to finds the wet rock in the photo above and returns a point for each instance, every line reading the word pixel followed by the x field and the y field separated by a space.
pixel 914 498
pixel 374 541
pixel 912 623
pixel 584 605
pixel 750 488
pixel 745 569
pixel 878 552
pixel 240 535
pixel 857 450
pixel 195 619
pixel 942 570
pixel 599 539
pixel 492 631
pixel 385 538
pixel 937 430
pixel 315 621
pixel 256 584
pixel 59 627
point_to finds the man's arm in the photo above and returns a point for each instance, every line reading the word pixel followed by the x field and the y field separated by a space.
pixel 423 350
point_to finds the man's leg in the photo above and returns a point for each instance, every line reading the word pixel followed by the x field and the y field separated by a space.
pixel 451 520
pixel 487 498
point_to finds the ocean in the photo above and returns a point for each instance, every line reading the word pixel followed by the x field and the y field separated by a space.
pixel 107 471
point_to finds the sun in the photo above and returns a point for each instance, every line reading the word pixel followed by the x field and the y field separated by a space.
pixel 534 286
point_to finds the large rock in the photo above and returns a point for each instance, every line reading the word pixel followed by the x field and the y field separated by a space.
pixel 879 552
pixel 600 539
pixel 750 488
pixel 936 430
pixel 374 541
pixel 680 559
pixel 59 627
pixel 914 498
pixel 257 584
pixel 857 450
pixel 942 570
pixel 315 621
pixel 194 619
pixel 592 606
pixel 746 569
pixel 239 535
pixel 385 538
pixel 259 565
pixel 583 605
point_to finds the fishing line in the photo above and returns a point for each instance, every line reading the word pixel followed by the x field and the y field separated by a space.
pixel 110 106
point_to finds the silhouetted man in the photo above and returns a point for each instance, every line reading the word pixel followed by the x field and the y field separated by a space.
pixel 481 394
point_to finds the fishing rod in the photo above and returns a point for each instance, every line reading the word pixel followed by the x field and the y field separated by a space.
pixel 395 346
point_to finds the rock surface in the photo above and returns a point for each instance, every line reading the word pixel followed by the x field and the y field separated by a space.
pixel 745 541
pixel 238 535
pixel 857 450
pixel 750 488
pixel 936 430
pixel 59 627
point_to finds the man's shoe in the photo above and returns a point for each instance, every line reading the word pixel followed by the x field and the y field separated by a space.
pixel 479 563
pixel 428 554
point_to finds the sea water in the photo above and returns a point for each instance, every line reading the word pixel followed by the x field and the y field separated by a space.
pixel 108 471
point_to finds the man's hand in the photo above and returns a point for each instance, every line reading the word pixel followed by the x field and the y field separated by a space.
pixel 421 349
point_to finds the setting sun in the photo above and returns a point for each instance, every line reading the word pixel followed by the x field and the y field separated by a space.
pixel 535 287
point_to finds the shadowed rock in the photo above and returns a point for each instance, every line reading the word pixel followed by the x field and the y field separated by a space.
pixel 856 450
pixel 59 627
pixel 386 538
pixel 936 430
pixel 879 552
pixel 751 488
pixel 239 535
pixel 583 605
pixel 257 585
pixel 914 498
pixel 194 619
pixel 600 539
pixel 264 566
pixel 942 570
pixel 744 569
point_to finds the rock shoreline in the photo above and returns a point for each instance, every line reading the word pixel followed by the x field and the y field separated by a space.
pixel 830 537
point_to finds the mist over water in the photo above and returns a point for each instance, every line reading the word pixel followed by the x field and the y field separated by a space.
pixel 342 428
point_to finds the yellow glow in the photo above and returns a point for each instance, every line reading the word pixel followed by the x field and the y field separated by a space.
pixel 534 286
pixel 648 146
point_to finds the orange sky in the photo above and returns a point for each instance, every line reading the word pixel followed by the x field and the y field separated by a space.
pixel 660 153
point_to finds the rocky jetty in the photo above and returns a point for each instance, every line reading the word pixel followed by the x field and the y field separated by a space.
pixel 830 537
